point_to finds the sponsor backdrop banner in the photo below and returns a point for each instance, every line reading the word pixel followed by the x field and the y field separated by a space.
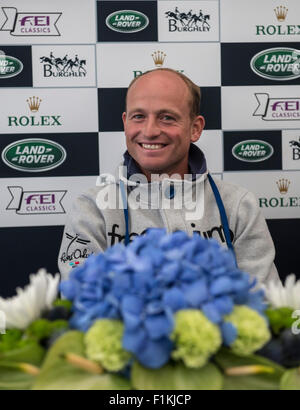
pixel 64 69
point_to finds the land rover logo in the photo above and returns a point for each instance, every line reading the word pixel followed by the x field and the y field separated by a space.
pixel 276 63
pixel 9 66
pixel 252 151
pixel 34 155
pixel 127 21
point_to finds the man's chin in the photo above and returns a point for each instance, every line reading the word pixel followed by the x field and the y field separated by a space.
pixel 152 168
pixel 155 173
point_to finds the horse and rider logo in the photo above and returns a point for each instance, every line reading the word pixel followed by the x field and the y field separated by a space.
pixel 295 144
pixel 63 67
pixel 181 21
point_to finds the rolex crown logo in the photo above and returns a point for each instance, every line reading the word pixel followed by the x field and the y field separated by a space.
pixel 34 103
pixel 281 13
pixel 283 185
pixel 158 58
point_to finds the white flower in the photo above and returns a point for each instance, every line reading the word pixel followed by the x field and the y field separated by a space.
pixel 30 302
pixel 284 296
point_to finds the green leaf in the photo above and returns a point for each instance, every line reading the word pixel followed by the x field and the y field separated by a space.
pixel 57 374
pixel 264 381
pixel 67 304
pixel 11 377
pixel 14 379
pixel 31 353
pixel 176 377
pixel 280 318
pixel 290 380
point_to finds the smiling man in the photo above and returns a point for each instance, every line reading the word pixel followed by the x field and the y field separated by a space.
pixel 161 121
pixel 164 176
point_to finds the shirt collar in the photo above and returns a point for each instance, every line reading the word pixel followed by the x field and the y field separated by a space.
pixel 197 163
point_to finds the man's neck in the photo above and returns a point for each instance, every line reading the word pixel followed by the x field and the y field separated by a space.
pixel 159 176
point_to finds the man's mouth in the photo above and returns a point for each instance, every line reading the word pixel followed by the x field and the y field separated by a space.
pixel 152 146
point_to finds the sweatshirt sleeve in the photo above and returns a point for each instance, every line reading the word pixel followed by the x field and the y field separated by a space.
pixel 253 244
pixel 84 234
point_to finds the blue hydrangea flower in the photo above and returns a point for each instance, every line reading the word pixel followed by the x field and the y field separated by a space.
pixel 147 282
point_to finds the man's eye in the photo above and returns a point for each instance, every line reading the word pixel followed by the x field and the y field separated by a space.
pixel 167 118
pixel 137 117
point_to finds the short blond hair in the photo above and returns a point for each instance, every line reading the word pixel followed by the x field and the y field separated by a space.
pixel 194 90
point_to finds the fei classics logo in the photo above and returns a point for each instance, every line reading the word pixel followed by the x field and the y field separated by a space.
pixel 30 24
pixel 182 21
pixel 252 151
pixel 127 21
pixel 35 202
pixel 33 104
pixel 276 64
pixel 9 66
pixel 277 109
pixel 34 155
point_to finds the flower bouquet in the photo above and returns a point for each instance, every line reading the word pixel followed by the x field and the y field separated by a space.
pixel 166 312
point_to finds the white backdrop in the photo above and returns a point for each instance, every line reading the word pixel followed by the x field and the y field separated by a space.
pixel 77 67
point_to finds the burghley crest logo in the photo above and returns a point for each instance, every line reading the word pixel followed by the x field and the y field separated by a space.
pixel 34 155
pixel 30 24
pixel 190 21
pixel 9 66
pixel 63 67
pixel 276 63
pixel 127 21
pixel 33 120
pixel 277 109
pixel 295 145
pixel 252 151
pixel 35 202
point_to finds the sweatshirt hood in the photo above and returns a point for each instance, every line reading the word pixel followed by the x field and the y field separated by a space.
pixel 131 174
pixel 197 163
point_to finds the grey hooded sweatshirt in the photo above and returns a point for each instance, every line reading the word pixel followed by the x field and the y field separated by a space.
pixel 97 220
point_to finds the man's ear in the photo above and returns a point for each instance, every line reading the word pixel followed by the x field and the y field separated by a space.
pixel 124 118
pixel 197 127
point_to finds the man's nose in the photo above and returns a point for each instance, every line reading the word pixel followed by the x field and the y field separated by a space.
pixel 151 128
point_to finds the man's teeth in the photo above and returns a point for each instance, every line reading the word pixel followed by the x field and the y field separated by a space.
pixel 152 146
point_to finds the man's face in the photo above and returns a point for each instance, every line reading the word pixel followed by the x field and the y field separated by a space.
pixel 157 124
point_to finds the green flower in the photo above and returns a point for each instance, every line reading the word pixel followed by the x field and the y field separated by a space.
pixel 252 330
pixel 104 344
pixel 196 338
